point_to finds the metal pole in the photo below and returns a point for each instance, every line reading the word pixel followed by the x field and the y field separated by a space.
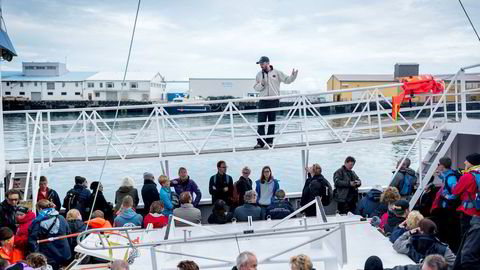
pixel 456 101
pixel 153 255
pixel 232 128
pixel 343 237
pixel 49 126
pixel 3 167
pixel 380 131
pixel 420 159
pixel 464 95
pixel 41 140
pixel 85 143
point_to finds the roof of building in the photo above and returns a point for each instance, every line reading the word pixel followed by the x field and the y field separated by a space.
pixel 118 76
pixel 72 76
pixel 364 77
pixel 224 79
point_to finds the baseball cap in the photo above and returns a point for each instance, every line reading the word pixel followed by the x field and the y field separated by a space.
pixel 400 206
pixel 263 59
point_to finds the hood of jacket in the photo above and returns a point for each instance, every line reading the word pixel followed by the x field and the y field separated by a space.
pixel 47 217
pixel 374 195
pixel 98 223
pixel 128 214
pixel 125 189
pixel 27 218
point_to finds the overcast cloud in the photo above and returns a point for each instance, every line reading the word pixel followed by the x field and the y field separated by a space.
pixel 182 39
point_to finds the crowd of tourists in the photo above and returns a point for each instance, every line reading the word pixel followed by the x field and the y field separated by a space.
pixel 429 235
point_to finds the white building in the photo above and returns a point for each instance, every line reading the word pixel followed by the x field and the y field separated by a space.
pixel 236 87
pixel 52 81
pixel 44 81
pixel 138 86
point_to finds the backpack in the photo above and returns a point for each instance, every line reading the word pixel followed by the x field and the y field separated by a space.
pixel 420 246
pixel 322 189
pixel 72 201
pixel 455 202
pixel 477 195
pixel 407 184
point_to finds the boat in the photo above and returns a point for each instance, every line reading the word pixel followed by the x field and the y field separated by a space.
pixel 182 106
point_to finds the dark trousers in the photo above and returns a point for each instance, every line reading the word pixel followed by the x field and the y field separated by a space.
pixel 464 223
pixel 264 117
pixel 345 207
pixel 448 224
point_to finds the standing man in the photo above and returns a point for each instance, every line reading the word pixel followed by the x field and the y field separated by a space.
pixel 221 184
pixel 45 193
pixel 346 187
pixel 185 183
pixel 268 85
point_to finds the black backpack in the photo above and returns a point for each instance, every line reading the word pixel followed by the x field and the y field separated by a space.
pixel 72 201
pixel 422 245
pixel 320 187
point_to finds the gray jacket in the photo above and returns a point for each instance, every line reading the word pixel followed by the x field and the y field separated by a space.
pixel 402 246
pixel 268 84
pixel 189 213
pixel 243 212
pixel 342 178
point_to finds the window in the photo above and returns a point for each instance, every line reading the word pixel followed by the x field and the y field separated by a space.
pixel 77 93
pixel 76 84
pixel 21 84
pixel 50 93
pixel 134 85
pixel 39 67
pixel 35 84
pixel 51 67
pixel 110 84
pixel 97 94
pixel 50 85
pixel 8 93
pixel 8 83
pixel 29 67
pixel 64 93
pixel 90 85
pixel 22 93
pixel 101 85
pixel 63 84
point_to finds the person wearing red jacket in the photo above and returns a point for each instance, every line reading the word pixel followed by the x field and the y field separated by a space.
pixel 467 189
pixel 155 215
pixel 24 218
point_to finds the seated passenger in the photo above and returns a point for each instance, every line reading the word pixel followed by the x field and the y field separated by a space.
pixel 397 215
pixel 38 261
pixel 7 250
pixel 370 204
pixel 98 221
pixel 187 211
pixel 127 217
pixel 387 199
pixel 249 208
pixel 421 242
pixel 280 208
pixel 411 223
pixel 76 225
pixel 25 218
pixel 301 262
pixel 220 214
pixel 155 216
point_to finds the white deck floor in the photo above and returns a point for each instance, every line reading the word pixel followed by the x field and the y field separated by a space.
pixel 362 241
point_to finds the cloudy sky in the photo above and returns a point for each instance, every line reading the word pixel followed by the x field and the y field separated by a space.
pixel 223 38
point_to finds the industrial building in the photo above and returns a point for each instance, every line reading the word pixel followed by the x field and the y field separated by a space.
pixel 215 87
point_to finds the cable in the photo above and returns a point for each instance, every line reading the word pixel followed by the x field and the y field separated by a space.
pixel 468 17
pixel 116 115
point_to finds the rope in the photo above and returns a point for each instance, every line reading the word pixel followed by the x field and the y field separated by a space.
pixel 468 17
pixel 116 115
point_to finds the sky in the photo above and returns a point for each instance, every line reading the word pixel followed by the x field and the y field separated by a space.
pixel 223 39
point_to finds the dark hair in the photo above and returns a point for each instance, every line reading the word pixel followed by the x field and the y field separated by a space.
pixel 43 178
pixel 185 197
pixel 94 186
pixel 187 265
pixel 181 168
pixel 156 207
pixel 219 208
pixel 446 162
pixel 80 180
pixel 36 260
pixel 350 159
pixel 262 177
pixel 219 163
pixel 427 226
pixel 13 191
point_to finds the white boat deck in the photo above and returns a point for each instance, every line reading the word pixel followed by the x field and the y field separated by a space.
pixel 362 241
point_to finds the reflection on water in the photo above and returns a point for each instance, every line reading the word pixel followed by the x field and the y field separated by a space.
pixel 375 160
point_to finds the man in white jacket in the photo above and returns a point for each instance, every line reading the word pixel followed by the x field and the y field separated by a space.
pixel 268 84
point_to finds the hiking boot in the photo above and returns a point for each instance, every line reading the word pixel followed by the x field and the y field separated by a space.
pixel 258 146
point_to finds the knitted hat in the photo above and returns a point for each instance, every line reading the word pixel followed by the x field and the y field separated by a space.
pixel 373 263
pixel 5 233
pixel 148 176
pixel 474 159
pixel 80 179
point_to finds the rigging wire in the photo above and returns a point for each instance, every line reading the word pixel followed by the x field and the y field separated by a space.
pixel 116 115
pixel 468 17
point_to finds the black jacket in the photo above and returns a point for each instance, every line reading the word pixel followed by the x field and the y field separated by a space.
pixel 7 216
pixel 217 184
pixel 344 192
pixel 100 204
pixel 243 185
pixel 124 191
pixel 75 226
pixel 83 195
pixel 52 196
pixel 216 219
pixel 279 209
pixel 392 222
pixel 149 194
pixel 57 252
pixel 468 256
pixel 315 186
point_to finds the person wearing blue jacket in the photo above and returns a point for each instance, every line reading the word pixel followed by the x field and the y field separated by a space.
pixel 166 195
pixel 266 187
pixel 370 204
pixel 127 216
pixel 49 223
pixel 78 196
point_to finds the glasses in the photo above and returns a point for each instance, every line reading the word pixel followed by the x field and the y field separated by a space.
pixel 223 167
pixel 246 172
pixel 13 200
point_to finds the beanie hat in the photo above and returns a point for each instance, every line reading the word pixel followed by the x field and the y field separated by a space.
pixel 148 176
pixel 474 159
pixel 80 179
pixel 5 233
pixel 373 263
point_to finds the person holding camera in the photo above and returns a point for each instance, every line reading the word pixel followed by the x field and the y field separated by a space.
pixel 346 187
pixel 268 84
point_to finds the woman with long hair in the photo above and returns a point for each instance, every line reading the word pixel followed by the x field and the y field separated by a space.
pixel 266 187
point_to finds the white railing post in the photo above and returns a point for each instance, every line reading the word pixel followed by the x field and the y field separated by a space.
pixel 420 160
pixel 32 151
pixel 464 95
pixel 304 104
pixel 49 127
pixel 157 125
pixel 85 141
pixel 232 129
pixel 380 130
pixel 41 139
pixel 457 119
pixel 27 127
